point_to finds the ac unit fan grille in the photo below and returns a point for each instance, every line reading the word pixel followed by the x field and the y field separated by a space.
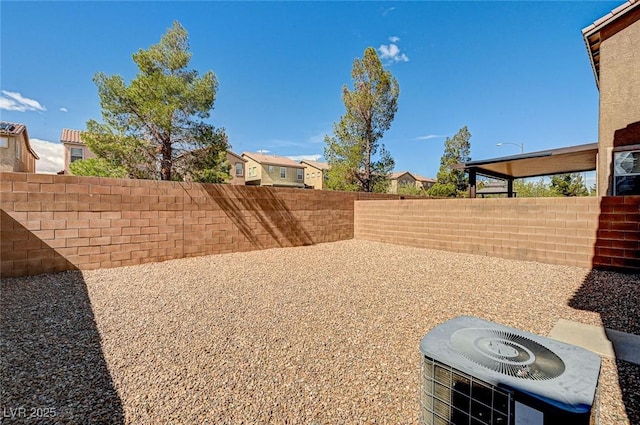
pixel 449 396
pixel 507 353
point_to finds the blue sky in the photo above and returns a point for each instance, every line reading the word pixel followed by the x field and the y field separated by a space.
pixel 513 72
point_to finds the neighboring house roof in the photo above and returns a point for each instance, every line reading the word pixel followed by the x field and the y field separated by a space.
pixel 397 174
pixel 272 160
pixel 423 179
pixel 15 129
pixel 71 136
pixel 316 164
pixel 623 15
pixel 236 155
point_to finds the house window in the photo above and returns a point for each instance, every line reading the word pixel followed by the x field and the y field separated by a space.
pixel 76 154
pixel 18 149
pixel 626 168
pixel 307 175
pixel 4 142
pixel 283 172
pixel 253 172
pixel 300 174
pixel 239 170
pixel 272 168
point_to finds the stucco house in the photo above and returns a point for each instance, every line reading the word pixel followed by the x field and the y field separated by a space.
pixel 315 173
pixel 74 148
pixel 424 183
pixel 613 43
pixel 399 179
pixel 237 168
pixel 272 170
pixel 406 178
pixel 16 153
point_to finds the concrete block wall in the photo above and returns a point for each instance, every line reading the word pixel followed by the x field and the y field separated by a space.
pixel 586 231
pixel 51 223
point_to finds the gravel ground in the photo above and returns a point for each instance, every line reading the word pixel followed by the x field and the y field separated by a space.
pixel 324 334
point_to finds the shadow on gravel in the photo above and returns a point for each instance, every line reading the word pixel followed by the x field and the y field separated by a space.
pixel 268 209
pixel 52 368
pixel 616 297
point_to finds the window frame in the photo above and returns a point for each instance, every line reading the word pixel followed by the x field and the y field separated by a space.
pixel 4 142
pixel 300 174
pixel 633 174
pixel 72 156
pixel 283 172
pixel 241 169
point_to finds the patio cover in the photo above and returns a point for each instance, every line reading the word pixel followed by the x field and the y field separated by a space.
pixel 571 159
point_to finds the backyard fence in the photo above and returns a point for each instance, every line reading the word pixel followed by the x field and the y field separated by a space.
pixel 52 223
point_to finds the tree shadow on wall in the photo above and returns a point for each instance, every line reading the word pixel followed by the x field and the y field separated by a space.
pixel 267 208
pixel 52 368
pixel 615 295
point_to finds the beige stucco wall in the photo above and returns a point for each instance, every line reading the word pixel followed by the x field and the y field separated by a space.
pixel 8 160
pixel 313 177
pixel 233 160
pixel 67 154
pixel 271 178
pixel 403 180
pixel 619 95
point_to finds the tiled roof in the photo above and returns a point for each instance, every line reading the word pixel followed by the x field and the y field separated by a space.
pixel 71 136
pixel 236 155
pixel 14 129
pixel 272 160
pixel 397 174
pixel 316 164
pixel 423 179
pixel 11 128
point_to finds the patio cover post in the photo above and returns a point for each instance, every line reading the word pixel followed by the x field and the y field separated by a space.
pixel 472 183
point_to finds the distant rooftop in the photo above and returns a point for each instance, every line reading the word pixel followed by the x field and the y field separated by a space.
pixel 71 136
pixel 11 127
pixel 272 159
pixel 316 164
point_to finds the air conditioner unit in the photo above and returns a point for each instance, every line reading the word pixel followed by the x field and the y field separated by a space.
pixel 477 372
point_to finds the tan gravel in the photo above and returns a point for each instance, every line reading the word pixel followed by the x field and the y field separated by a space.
pixel 324 334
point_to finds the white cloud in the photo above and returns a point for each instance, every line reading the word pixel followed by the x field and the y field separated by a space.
pixel 392 52
pixel 63 110
pixel 13 101
pixel 394 39
pixel 429 137
pixel 387 11
pixel 314 157
pixel 51 156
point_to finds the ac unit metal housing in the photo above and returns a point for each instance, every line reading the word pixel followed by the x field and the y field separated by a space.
pixel 476 372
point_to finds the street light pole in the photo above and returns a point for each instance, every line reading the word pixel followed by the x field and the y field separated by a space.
pixel 516 144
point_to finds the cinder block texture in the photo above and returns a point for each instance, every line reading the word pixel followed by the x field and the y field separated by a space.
pixel 585 232
pixel 53 223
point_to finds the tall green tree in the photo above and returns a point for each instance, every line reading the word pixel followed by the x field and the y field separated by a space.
pixel 150 124
pixel 357 159
pixel 98 167
pixel 452 182
pixel 532 189
pixel 570 184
